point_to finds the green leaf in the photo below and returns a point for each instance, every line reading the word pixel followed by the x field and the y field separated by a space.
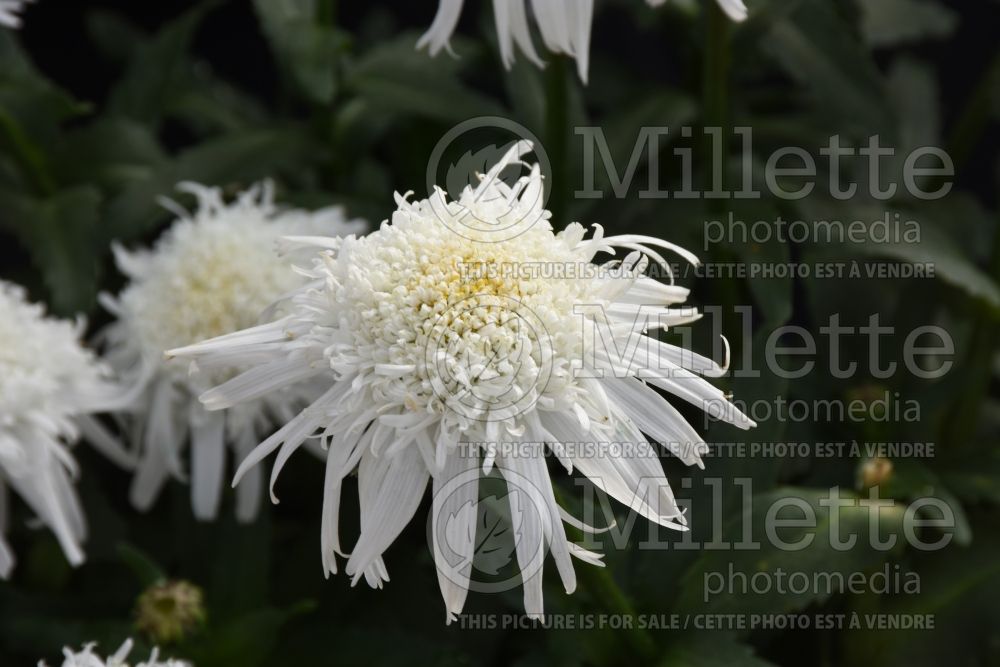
pixel 246 640
pixel 976 480
pixel 32 106
pixel 817 49
pixel 209 105
pixel 949 262
pixel 911 480
pixel 819 558
pixel 710 650
pixel 117 38
pixel 156 73
pixel 244 157
pixel 625 138
pixel 59 232
pixel 142 565
pixel 42 636
pixel 395 76
pixel 890 22
pixel 114 152
pixel 913 93
pixel 958 590
pixel 308 50
pixel 936 248
pixel 31 161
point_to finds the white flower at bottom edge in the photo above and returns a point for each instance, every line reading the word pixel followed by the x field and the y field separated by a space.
pixel 421 360
pixel 87 658
pixel 564 25
pixel 49 386
pixel 9 12
pixel 212 272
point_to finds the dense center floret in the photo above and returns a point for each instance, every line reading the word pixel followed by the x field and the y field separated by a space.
pixel 450 321
pixel 204 280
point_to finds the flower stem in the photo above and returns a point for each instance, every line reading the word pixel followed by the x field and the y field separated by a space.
pixel 556 130
pixel 975 116
pixel 603 587
pixel 715 84
pixel 326 12
pixel 715 121
pixel 960 424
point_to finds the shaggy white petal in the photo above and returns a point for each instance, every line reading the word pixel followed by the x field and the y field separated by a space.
pixel 6 559
pixel 391 488
pixel 531 528
pixel 531 466
pixel 454 520
pixel 88 658
pixel 10 12
pixel 512 28
pixel 735 9
pixel 437 36
pixel 208 451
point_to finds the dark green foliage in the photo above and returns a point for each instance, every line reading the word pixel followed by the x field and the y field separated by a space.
pixel 354 116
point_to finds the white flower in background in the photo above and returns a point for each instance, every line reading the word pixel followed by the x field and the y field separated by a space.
pixel 734 9
pixel 424 362
pixel 213 272
pixel 87 658
pixel 564 26
pixel 9 12
pixel 48 385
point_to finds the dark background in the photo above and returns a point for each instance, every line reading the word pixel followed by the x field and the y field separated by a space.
pixel 227 106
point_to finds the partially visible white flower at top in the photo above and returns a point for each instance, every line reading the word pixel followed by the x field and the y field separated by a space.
pixel 49 386
pixel 448 351
pixel 10 10
pixel 564 26
pixel 214 271
pixel 734 9
pixel 88 658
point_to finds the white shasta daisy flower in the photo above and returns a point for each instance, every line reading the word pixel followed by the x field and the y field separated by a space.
pixel 213 272
pixel 564 25
pixel 435 361
pixel 87 658
pixel 9 12
pixel 49 384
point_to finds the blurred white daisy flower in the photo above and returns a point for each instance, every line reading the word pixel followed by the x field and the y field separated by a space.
pixel 87 658
pixel 49 384
pixel 214 271
pixel 564 26
pixel 435 361
pixel 9 12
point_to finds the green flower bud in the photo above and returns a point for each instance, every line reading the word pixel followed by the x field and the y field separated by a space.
pixel 169 611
